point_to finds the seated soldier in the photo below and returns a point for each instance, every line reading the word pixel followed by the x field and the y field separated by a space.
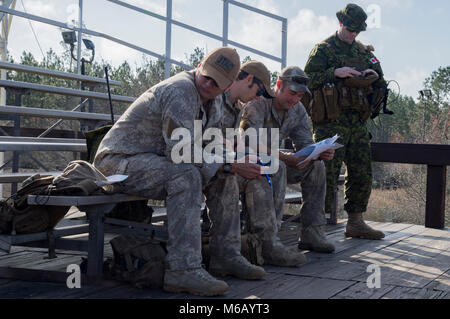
pixel 140 145
pixel 253 81
pixel 288 114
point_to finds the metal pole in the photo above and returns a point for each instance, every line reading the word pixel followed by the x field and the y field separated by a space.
pixel 80 26
pixel 284 30
pixel 6 26
pixel 168 64
pixel 225 23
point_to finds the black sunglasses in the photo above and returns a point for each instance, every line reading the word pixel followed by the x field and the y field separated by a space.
pixel 296 79
pixel 352 31
pixel 210 78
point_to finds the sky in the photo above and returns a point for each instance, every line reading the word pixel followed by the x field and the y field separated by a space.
pixel 411 37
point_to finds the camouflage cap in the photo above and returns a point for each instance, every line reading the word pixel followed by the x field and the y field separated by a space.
pixel 260 72
pixel 222 65
pixel 353 17
pixel 296 79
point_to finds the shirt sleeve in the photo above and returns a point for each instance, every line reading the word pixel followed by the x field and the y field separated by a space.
pixel 301 134
pixel 181 111
pixel 317 68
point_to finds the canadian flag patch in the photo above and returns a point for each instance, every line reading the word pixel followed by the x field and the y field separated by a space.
pixel 374 60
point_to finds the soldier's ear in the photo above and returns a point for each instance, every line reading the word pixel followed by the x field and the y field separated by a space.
pixel 279 84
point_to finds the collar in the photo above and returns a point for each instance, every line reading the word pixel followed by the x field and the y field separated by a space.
pixel 236 107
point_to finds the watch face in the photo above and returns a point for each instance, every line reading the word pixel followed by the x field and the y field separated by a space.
pixel 227 168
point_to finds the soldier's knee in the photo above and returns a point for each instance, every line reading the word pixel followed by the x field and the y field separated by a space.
pixel 187 175
pixel 319 170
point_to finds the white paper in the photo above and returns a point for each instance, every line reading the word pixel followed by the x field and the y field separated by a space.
pixel 111 180
pixel 313 151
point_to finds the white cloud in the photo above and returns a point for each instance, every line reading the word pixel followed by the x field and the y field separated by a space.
pixel 116 53
pixel 307 29
pixel 411 81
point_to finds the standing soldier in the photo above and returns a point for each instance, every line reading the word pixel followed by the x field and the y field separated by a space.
pixel 347 84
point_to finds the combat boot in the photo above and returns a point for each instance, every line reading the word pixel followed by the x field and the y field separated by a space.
pixel 314 238
pixel 194 281
pixel 236 266
pixel 275 253
pixel 356 227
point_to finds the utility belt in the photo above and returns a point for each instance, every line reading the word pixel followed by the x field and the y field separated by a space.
pixel 330 101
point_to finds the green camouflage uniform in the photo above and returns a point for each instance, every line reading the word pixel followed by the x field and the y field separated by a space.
pixel 350 125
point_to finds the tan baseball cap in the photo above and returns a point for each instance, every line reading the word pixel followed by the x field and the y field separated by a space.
pixel 296 79
pixel 260 72
pixel 222 65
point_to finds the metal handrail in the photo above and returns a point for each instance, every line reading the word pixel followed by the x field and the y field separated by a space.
pixel 55 73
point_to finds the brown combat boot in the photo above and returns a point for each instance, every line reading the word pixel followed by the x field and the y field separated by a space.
pixel 314 238
pixel 237 266
pixel 194 281
pixel 276 254
pixel 356 227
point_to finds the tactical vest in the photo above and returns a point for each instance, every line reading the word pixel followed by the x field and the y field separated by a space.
pixel 356 93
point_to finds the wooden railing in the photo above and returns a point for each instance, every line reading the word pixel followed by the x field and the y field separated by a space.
pixel 437 158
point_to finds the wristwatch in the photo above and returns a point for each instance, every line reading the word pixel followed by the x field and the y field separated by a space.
pixel 227 168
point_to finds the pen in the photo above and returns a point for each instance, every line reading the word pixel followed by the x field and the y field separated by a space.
pixel 267 175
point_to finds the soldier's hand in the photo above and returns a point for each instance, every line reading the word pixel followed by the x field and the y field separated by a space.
pixel 346 72
pixel 368 72
pixel 293 161
pixel 247 170
pixel 327 155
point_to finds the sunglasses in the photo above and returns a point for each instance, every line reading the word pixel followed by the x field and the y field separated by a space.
pixel 261 91
pixel 211 79
pixel 352 31
pixel 296 79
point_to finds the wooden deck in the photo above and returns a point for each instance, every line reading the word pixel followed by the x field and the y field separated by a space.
pixel 414 263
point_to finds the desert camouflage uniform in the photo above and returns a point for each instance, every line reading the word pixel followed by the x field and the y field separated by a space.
pixel 222 197
pixel 139 146
pixel 294 124
pixel 353 133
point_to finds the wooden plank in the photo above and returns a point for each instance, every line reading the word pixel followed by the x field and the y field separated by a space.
pixel 81 200
pixel 414 293
pixel 41 146
pixel 414 262
pixel 441 283
pixel 296 287
pixel 360 291
pixel 21 176
pixel 427 154
pixel 344 265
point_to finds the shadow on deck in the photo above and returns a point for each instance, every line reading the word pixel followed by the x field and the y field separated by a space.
pixel 414 262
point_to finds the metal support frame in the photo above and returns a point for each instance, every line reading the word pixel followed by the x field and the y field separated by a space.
pixel 169 22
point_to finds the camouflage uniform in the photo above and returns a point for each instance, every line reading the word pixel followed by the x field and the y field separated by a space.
pixel 222 196
pixel 350 125
pixel 139 145
pixel 294 124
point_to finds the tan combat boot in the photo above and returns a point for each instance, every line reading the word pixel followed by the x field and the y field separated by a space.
pixel 194 281
pixel 275 253
pixel 356 227
pixel 237 266
pixel 314 238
